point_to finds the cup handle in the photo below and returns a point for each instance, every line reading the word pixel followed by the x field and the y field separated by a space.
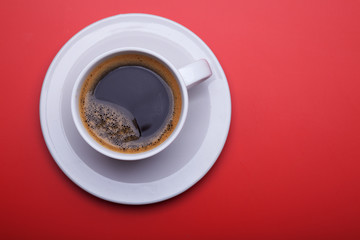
pixel 196 72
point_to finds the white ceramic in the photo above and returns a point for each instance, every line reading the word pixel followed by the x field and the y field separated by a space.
pixel 166 174
pixel 186 76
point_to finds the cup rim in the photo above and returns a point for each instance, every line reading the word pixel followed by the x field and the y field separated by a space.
pixel 102 149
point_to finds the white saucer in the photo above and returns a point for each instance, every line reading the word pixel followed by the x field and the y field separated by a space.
pixel 166 174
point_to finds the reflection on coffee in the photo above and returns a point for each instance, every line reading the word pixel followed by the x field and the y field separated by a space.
pixel 130 103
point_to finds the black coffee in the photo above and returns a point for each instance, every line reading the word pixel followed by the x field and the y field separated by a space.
pixel 130 103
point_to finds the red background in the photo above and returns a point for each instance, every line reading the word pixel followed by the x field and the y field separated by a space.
pixel 290 167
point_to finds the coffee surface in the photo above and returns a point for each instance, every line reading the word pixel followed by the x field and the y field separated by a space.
pixel 130 103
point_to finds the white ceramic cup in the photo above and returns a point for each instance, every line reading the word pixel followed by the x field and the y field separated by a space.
pixel 187 76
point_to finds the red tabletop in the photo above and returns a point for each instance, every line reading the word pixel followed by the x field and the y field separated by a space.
pixel 290 168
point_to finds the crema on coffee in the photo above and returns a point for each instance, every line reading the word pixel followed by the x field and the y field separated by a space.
pixel 130 103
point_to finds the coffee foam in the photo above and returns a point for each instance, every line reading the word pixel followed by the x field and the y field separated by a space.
pixel 115 127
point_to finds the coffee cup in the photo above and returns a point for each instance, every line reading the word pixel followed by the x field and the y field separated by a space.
pixel 131 103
